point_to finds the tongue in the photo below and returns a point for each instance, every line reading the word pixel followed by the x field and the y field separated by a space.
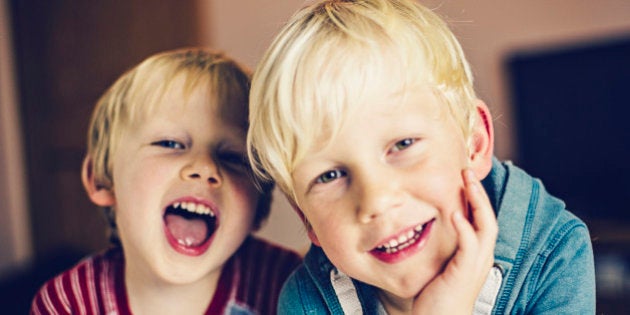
pixel 188 232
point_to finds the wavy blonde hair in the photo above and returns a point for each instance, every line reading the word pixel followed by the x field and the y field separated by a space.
pixel 318 65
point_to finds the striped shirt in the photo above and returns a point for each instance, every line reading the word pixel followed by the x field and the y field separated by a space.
pixel 250 283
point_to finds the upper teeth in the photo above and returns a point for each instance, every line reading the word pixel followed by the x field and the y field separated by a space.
pixel 403 241
pixel 194 207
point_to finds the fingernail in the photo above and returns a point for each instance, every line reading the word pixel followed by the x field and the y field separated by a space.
pixel 470 175
pixel 471 179
pixel 458 216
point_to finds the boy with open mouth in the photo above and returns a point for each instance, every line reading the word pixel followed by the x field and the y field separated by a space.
pixel 167 159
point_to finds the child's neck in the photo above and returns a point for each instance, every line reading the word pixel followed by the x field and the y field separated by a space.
pixel 153 297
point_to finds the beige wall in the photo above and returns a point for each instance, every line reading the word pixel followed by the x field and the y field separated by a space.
pixel 488 30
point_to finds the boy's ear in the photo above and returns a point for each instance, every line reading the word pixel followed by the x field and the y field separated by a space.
pixel 309 228
pixel 482 146
pixel 101 196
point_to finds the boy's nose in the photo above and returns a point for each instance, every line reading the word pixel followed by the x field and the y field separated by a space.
pixel 202 168
pixel 377 195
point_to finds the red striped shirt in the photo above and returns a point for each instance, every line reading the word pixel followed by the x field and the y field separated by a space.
pixel 250 282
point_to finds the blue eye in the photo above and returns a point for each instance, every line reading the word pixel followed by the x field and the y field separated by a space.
pixel 330 176
pixel 403 144
pixel 171 144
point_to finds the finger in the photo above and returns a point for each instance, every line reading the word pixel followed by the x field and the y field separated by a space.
pixel 474 248
pixel 483 216
pixel 466 235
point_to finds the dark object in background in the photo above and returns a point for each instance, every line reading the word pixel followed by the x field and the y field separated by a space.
pixel 572 111
pixel 18 288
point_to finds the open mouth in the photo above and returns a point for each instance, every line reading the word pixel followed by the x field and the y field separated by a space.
pixel 190 225
pixel 403 244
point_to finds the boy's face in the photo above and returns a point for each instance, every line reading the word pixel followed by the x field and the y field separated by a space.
pixel 380 195
pixel 184 199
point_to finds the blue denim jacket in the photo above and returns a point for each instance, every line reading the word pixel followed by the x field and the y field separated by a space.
pixel 543 253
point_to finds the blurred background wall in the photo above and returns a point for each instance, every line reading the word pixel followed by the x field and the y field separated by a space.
pixel 57 57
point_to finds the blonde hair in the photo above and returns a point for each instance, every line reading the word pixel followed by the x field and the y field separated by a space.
pixel 140 90
pixel 318 65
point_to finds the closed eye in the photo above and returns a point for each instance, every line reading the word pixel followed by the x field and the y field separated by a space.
pixel 330 176
pixel 402 144
pixel 234 159
pixel 170 144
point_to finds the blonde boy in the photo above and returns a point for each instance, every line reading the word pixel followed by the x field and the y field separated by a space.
pixel 364 114
pixel 166 156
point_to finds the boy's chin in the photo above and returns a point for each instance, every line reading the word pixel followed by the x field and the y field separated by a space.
pixel 402 301
pixel 404 291
pixel 413 284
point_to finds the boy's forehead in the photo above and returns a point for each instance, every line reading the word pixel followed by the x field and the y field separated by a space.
pixel 174 93
pixel 370 71
pixel 388 84
pixel 231 106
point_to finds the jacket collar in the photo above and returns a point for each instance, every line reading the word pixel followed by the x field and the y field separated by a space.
pixel 510 190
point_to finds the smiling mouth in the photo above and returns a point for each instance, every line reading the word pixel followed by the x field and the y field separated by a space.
pixel 190 224
pixel 403 241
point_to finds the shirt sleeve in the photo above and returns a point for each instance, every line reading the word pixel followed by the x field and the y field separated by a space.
pixel 49 300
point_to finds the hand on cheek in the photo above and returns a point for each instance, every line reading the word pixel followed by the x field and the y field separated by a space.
pixel 455 290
